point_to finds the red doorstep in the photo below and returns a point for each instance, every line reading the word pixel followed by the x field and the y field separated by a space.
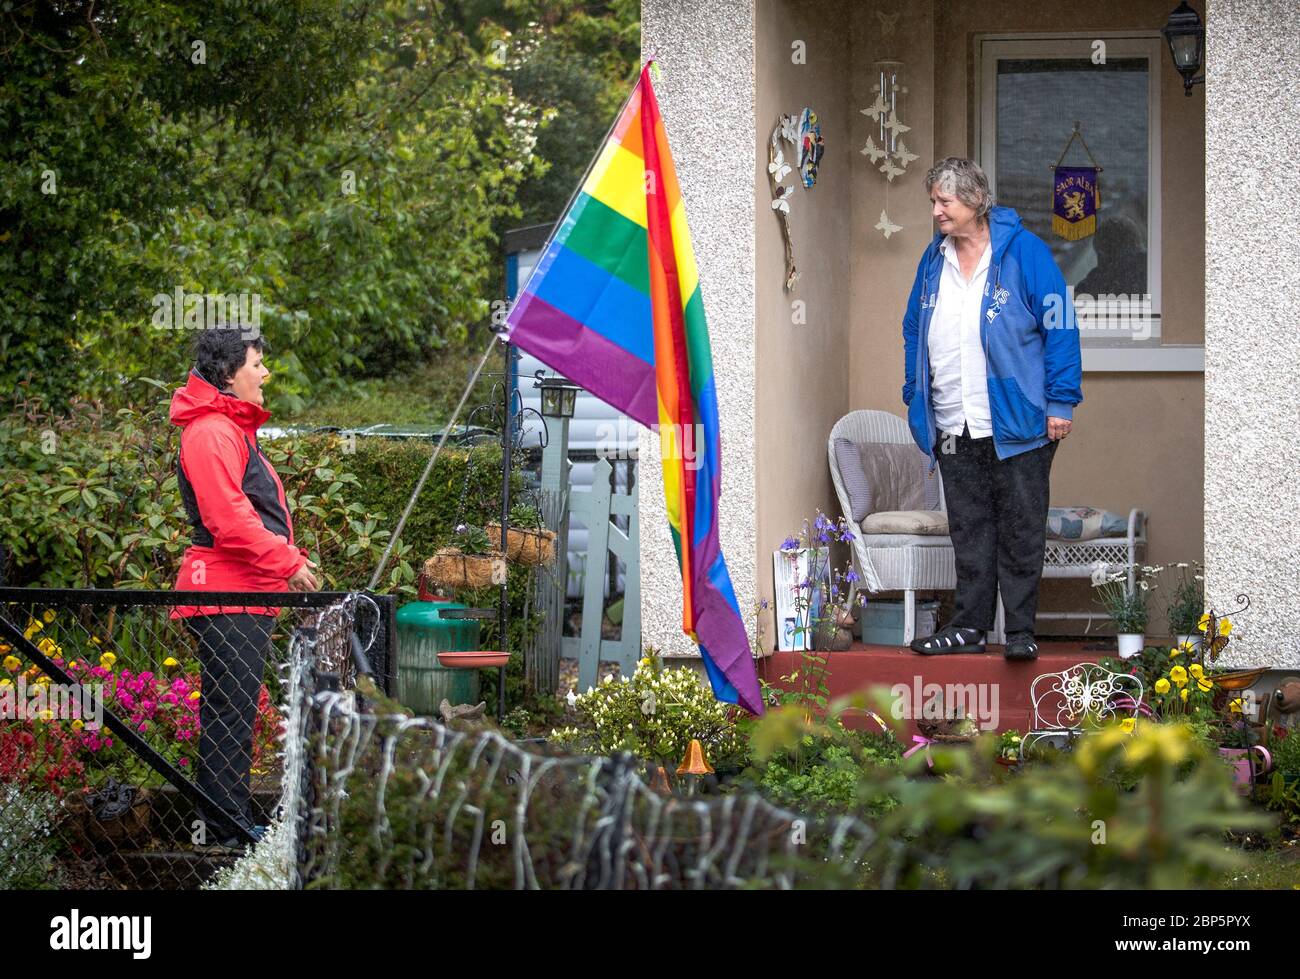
pixel 1000 684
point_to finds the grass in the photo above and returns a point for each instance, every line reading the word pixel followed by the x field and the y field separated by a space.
pixel 424 396
pixel 1275 868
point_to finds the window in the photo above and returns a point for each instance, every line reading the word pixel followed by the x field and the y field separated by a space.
pixel 1032 90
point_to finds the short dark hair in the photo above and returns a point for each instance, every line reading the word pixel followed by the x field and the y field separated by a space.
pixel 220 350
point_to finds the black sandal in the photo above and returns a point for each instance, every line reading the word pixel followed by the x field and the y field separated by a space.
pixel 950 639
pixel 1021 645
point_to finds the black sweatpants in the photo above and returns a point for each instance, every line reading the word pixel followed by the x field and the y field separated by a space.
pixel 997 517
pixel 232 656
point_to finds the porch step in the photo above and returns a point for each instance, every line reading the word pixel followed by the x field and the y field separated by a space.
pixel 1000 695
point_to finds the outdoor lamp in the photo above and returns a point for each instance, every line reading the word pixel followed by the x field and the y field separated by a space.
pixel 558 397
pixel 1186 36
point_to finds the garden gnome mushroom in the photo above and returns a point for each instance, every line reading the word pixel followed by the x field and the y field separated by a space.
pixel 695 763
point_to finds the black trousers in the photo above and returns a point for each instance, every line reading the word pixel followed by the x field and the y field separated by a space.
pixel 997 516
pixel 232 656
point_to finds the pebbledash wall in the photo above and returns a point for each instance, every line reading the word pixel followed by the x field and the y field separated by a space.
pixel 1252 338
pixel 713 100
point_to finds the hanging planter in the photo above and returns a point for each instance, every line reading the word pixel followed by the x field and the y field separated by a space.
pixel 452 568
pixel 525 546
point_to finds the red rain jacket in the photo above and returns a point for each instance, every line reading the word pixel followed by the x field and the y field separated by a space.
pixel 242 533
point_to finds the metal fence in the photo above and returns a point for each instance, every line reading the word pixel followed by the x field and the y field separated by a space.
pixel 143 747
pixel 398 802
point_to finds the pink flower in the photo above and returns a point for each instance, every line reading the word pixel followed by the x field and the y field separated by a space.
pixel 184 762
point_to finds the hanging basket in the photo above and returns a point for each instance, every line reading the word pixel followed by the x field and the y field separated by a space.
pixel 452 569
pixel 524 545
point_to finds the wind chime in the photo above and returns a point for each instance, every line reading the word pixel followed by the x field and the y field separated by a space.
pixel 886 149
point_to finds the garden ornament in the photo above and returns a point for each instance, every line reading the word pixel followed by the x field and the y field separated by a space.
pixel 695 763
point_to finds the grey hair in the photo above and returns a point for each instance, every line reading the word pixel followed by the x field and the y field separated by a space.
pixel 963 179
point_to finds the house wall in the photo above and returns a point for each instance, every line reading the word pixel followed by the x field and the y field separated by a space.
pixel 706 94
pixel 802 337
pixel 1141 438
pixel 1252 351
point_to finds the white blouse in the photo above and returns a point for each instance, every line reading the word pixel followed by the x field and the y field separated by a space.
pixel 958 371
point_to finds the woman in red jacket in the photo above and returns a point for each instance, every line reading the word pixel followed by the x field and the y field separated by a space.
pixel 242 540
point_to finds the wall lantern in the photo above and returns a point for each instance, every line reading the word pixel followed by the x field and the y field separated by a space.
pixel 1186 36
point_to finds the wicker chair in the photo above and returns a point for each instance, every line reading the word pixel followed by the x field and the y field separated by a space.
pixel 892 562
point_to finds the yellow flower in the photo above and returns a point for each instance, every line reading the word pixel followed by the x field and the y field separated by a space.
pixel 171 662
pixel 1236 705
pixel 95 640
pixel 1196 670
pixel 46 715
pixel 1162 685
pixel 12 663
pixel 1205 683
pixel 1204 623
pixel 1186 647
pixel 1175 653
pixel 194 695
pixel 4 648
pixel 1178 675
pixel 107 660
pixel 42 679
pixel 1127 725
pixel 1183 693
pixel 6 683
pixel 1225 626
pixel 78 724
pixel 50 615
pixel 33 627
pixel 46 646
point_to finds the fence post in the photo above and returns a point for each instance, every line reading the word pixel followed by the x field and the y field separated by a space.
pixel 593 597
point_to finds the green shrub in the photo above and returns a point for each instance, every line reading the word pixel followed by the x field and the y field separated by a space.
pixel 654 714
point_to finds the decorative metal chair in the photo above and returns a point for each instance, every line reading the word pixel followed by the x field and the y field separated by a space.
pixel 1063 701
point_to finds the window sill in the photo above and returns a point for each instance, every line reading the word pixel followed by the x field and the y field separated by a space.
pixel 1175 358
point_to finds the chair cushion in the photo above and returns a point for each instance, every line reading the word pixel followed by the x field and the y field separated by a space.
pixel 849 461
pixel 1084 523
pixel 898 477
pixel 924 522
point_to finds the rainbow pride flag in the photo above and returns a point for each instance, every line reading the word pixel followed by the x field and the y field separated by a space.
pixel 614 305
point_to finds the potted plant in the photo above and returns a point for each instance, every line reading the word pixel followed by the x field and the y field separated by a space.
pixel 1238 746
pixel 1128 610
pixel 1186 602
pixel 469 563
pixel 823 598
pixel 528 542
pixel 1284 745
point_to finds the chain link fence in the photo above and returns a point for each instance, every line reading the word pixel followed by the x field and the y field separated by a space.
pixel 142 745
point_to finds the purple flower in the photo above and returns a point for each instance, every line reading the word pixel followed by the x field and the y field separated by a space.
pixel 823 538
pixel 851 575
pixel 790 544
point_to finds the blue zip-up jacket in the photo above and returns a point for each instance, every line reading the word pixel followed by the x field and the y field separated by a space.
pixel 1028 331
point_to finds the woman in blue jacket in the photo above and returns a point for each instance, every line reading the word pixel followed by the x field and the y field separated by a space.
pixel 992 374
